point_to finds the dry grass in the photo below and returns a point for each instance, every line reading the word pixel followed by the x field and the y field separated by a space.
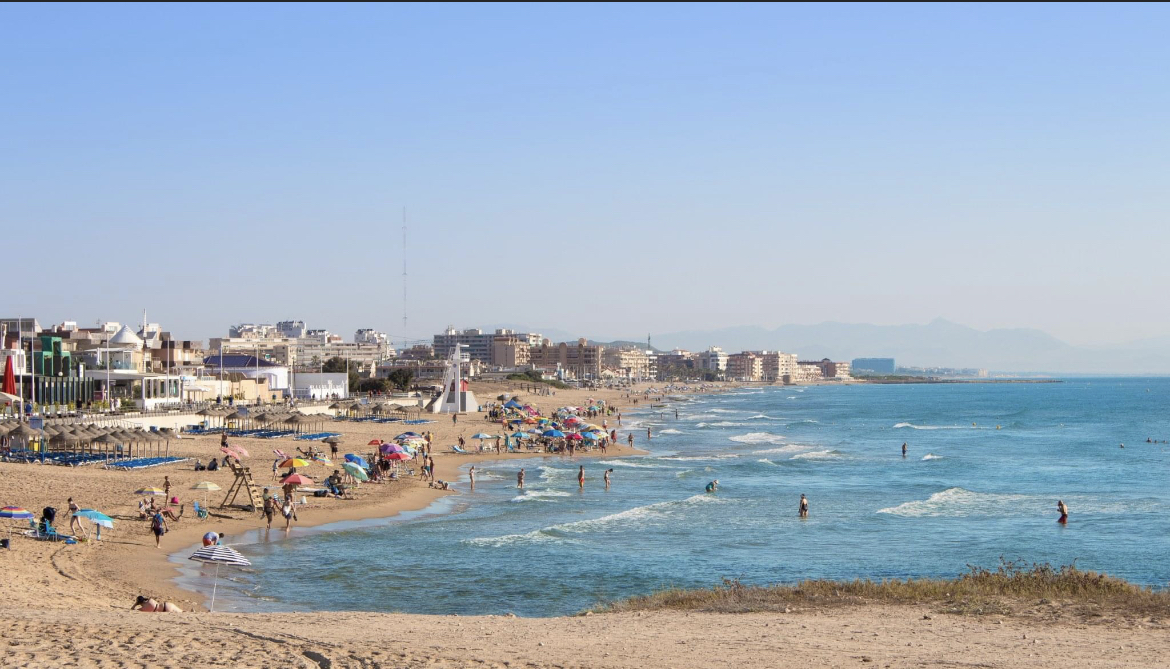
pixel 1011 586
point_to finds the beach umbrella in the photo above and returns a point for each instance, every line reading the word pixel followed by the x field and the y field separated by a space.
pixel 100 519
pixel 519 435
pixel 332 440
pixel 294 462
pixel 357 472
pixel 375 442
pixel 150 490
pixel 397 455
pixel 574 437
pixel 206 487
pixel 321 459
pixel 15 512
pixel 219 555
pixel 240 449
pixel 297 479
pixel 552 433
pixel 356 459
pixel 226 450
pixel 392 448
pixel 406 435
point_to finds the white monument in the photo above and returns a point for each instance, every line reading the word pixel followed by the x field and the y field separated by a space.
pixel 455 397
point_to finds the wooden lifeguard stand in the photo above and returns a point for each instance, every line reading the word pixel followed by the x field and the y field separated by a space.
pixel 242 483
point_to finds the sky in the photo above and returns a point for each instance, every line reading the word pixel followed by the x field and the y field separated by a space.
pixel 610 170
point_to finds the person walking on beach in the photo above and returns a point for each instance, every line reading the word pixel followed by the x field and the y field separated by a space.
pixel 75 519
pixel 158 527
pixel 607 473
pixel 903 449
pixel 288 512
pixel 630 439
pixel 581 477
pixel 471 476
pixel 803 506
pixel 1063 509
pixel 520 478
pixel 454 418
pixel 167 487
pixel 269 509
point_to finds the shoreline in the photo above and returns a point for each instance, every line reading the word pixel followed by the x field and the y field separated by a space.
pixel 389 510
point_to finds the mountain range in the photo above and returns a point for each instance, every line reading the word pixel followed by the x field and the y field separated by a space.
pixel 940 343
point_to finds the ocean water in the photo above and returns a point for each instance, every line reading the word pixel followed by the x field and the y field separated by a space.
pixel 967 493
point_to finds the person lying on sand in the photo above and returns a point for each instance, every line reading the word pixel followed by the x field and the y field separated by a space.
pixel 150 606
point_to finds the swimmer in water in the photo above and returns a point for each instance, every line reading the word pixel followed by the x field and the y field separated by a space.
pixel 712 486
pixel 1063 509
pixel 520 478
pixel 581 477
pixel 607 473
pixel 903 449
pixel 803 506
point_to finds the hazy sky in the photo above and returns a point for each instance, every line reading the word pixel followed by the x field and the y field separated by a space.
pixel 609 170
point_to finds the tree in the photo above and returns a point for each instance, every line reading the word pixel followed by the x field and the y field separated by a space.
pixel 339 365
pixel 373 386
pixel 401 378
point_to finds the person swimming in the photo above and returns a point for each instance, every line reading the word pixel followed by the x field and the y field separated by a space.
pixel 712 486
pixel 1063 509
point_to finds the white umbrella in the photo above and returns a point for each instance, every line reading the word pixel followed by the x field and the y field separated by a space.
pixel 219 555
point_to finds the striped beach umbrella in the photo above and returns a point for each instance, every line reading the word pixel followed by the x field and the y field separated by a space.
pixel 150 490
pixel 219 555
pixel 355 471
pixel 15 512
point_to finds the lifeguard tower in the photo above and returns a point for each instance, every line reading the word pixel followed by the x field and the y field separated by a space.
pixel 455 397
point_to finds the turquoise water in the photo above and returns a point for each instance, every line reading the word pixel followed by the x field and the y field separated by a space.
pixel 967 494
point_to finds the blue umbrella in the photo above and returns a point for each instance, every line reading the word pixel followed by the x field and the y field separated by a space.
pixel 520 435
pixel 100 519
pixel 357 460
pixel 553 433
pixel 405 435
pixel 513 404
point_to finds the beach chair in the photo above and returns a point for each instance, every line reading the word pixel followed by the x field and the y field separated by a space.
pixel 458 450
pixel 200 511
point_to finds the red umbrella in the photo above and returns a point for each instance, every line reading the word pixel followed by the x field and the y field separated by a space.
pixel 9 377
pixel 397 455
pixel 375 442
pixel 228 451
pixel 574 436
pixel 297 479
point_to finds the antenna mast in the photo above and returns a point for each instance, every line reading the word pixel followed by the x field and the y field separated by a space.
pixel 404 273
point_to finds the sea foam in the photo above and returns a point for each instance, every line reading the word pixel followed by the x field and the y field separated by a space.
pixel 758 438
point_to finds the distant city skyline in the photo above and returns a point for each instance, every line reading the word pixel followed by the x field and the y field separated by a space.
pixel 613 170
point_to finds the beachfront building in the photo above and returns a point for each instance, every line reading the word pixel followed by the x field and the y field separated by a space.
pixel 276 377
pixel 746 366
pixel 312 353
pixel 477 345
pixel 632 363
pixel 427 368
pixel 779 367
pixel 873 366
pixel 320 386
pixel 811 371
pixel 277 350
pixel 292 329
pixel 712 360
pixel 510 351
pixel 580 361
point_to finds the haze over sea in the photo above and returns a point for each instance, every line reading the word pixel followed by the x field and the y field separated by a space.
pixel 967 494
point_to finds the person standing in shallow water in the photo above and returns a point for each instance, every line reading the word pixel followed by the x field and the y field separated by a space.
pixel 520 478
pixel 903 449
pixel 607 473
pixel 581 477
pixel 803 506
pixel 1063 509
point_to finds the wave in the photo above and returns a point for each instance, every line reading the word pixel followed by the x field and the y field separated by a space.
pixel 758 438
pixel 929 427
pixel 533 537
pixel 529 495
pixel 722 423
pixel 818 455
pixel 766 461
pixel 728 411
pixel 958 502
pixel 761 416
pixel 932 456
pixel 628 463
pixel 700 458
pixel 791 397
pixel 670 431
pixel 790 448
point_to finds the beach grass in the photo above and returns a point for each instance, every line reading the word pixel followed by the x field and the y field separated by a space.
pixel 1011 587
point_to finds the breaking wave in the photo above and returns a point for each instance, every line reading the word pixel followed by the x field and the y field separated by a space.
pixel 758 438
pixel 932 456
pixel 530 495
pixel 818 455
pixel 928 427
pixel 958 502
pixel 670 431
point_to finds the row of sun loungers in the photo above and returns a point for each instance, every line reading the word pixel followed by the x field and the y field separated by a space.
pixel 142 463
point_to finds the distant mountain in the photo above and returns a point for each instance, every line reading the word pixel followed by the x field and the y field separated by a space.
pixel 939 343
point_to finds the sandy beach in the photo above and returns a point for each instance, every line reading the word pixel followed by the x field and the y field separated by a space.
pixel 69 605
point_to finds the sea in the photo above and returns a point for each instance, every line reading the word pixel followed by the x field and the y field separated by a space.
pixel 985 467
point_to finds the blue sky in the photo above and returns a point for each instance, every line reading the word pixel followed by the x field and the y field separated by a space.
pixel 610 170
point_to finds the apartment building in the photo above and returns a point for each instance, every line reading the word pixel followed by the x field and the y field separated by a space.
pixel 581 360
pixel 746 366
